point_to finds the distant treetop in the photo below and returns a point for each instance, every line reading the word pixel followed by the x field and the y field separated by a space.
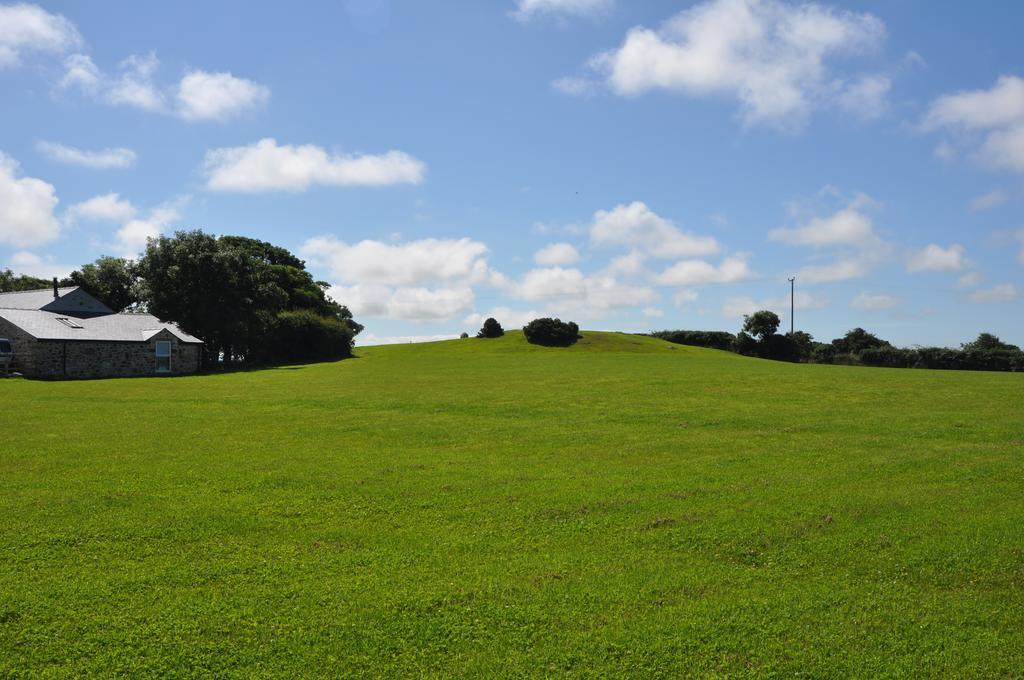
pixel 491 329
pixel 551 332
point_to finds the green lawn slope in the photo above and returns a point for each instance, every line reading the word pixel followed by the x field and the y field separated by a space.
pixel 490 508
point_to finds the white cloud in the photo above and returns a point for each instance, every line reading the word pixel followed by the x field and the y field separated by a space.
pixel 997 107
pixel 684 297
pixel 404 303
pixel 637 226
pixel 1004 292
pixel 80 72
pixel 630 265
pixel 653 313
pixel 426 304
pixel 849 232
pixel 739 306
pixel 874 303
pixel 108 207
pixel 550 228
pixel 425 280
pixel 134 86
pixel 989 200
pixel 371 340
pixel 25 259
pixel 575 87
pixel 1005 148
pixel 30 264
pixel 26 207
pixel 699 272
pixel 944 151
pixel 606 292
pixel 266 166
pixel 557 254
pixel 801 300
pixel 132 237
pixel 934 258
pixel 866 97
pixel 969 280
pixel 24 262
pixel 104 158
pixel 28 28
pixel 198 95
pixel 570 290
pixel 507 317
pixel 995 116
pixel 849 226
pixel 364 300
pixel 772 56
pixel 414 263
pixel 843 269
pixel 529 9
pixel 553 283
pixel 217 96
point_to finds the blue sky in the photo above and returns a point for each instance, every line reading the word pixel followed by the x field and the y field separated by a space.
pixel 631 166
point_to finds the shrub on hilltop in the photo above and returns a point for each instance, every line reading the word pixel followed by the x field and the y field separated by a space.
pixel 551 332
pixel 491 329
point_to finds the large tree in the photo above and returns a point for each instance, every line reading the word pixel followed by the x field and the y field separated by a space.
pixel 112 280
pixel 762 325
pixel 988 342
pixel 232 292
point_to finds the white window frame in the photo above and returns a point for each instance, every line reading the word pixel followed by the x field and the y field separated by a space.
pixel 163 344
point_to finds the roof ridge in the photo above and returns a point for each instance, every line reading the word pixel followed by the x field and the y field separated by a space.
pixel 38 290
pixel 44 325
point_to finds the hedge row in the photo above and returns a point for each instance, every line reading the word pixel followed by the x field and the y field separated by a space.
pixel 712 339
pixel 858 347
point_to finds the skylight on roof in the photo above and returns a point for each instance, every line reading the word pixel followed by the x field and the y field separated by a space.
pixel 69 323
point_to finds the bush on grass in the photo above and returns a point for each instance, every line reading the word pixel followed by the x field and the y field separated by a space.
pixel 551 332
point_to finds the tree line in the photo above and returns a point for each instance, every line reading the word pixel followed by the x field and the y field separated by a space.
pixel 248 300
pixel 759 337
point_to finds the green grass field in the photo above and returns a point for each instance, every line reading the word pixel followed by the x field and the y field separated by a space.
pixel 491 508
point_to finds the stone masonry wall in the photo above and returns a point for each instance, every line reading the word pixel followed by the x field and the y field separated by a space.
pixel 22 343
pixel 96 359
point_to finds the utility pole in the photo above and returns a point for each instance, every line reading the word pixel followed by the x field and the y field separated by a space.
pixel 791 304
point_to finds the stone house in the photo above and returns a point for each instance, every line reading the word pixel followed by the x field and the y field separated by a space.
pixel 67 333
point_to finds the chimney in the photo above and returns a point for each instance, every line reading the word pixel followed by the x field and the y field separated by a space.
pixel 55 293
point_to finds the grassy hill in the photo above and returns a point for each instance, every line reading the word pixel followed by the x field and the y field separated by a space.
pixel 487 507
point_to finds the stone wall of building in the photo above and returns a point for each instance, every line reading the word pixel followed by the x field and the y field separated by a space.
pixel 98 359
pixel 22 343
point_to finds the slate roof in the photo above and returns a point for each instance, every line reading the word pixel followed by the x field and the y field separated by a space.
pixel 24 310
pixel 110 327
pixel 31 299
